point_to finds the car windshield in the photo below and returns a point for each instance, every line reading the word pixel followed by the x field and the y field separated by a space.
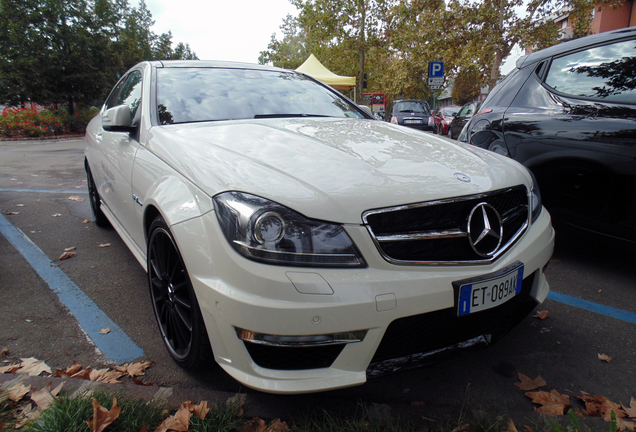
pixel 410 106
pixel 187 95
pixel 449 111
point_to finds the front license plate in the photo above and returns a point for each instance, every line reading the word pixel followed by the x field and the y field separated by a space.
pixel 489 292
pixel 413 122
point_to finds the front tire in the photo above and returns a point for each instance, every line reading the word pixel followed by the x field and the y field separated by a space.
pixel 174 301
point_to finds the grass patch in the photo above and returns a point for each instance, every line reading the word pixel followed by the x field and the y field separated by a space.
pixel 70 414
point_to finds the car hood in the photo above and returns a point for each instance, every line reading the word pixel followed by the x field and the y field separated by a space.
pixel 329 169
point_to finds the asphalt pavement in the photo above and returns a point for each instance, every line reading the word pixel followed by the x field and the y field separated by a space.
pixel 44 183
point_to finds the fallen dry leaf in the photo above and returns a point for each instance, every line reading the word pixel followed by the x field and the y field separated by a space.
pixel 606 406
pixel 33 367
pixel 67 255
pixel 140 382
pixel 201 410
pixel 103 245
pixel 4 352
pixel 57 215
pixel 75 198
pixel 68 249
pixel 104 331
pixel 102 417
pixel 512 427
pixel 11 213
pixel 12 368
pixel 528 384
pixel 257 425
pixel 277 426
pixel 542 315
pixel 605 358
pixel 105 376
pixel 178 422
pixel 19 205
pixel 86 221
pixel 551 403
pixel 623 424
pixel 83 374
pixel 45 397
pixel 137 369
pixel 18 391
pixel 24 414
pixel 631 410
pixel 68 372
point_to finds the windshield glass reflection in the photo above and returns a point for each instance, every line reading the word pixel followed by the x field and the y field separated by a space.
pixel 187 95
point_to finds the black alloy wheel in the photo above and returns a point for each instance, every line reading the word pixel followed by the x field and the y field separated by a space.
pixel 174 301
pixel 96 205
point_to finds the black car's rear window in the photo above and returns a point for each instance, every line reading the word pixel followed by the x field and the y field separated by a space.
pixel 410 106
pixel 210 94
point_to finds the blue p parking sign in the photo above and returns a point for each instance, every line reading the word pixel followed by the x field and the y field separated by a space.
pixel 435 69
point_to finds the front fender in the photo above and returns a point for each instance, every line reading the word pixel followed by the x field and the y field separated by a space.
pixel 161 190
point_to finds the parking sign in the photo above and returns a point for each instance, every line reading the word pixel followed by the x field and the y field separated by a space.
pixel 435 69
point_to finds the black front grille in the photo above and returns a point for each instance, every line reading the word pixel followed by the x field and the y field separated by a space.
pixel 434 330
pixel 449 215
pixel 293 358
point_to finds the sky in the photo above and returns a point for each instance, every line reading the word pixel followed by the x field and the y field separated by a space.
pixel 232 30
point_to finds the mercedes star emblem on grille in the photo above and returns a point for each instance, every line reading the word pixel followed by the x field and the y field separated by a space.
pixel 462 177
pixel 485 230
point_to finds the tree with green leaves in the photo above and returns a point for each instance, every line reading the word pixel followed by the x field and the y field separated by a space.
pixel 72 51
pixel 340 33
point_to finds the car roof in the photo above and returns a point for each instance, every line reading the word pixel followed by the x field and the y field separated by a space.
pixel 574 45
pixel 211 64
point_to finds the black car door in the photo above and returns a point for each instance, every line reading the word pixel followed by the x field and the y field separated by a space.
pixel 574 124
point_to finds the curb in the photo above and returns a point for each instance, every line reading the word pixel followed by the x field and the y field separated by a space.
pixel 53 138
pixel 262 405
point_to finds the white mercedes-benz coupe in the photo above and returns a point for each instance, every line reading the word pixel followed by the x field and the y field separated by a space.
pixel 298 242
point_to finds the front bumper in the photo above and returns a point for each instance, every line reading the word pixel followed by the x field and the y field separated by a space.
pixel 393 304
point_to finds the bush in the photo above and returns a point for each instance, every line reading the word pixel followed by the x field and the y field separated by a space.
pixel 31 122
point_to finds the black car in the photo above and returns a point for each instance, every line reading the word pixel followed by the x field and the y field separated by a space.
pixel 568 113
pixel 462 117
pixel 411 113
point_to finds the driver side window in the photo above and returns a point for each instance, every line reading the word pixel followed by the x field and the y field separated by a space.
pixel 131 93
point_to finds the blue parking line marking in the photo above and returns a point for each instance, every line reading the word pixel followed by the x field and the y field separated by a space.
pixel 116 345
pixel 57 191
pixel 593 307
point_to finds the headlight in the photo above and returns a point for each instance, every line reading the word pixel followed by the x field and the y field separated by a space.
pixel 265 231
pixel 535 198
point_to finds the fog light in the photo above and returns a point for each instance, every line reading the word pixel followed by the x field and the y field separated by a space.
pixel 300 341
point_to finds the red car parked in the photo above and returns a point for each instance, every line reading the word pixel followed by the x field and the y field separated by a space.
pixel 443 117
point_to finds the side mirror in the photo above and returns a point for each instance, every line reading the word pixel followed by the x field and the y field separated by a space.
pixel 117 119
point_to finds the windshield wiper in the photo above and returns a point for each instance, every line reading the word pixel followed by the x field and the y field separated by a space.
pixel 259 116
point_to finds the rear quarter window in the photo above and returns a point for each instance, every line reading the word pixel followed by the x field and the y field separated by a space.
pixel 605 72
